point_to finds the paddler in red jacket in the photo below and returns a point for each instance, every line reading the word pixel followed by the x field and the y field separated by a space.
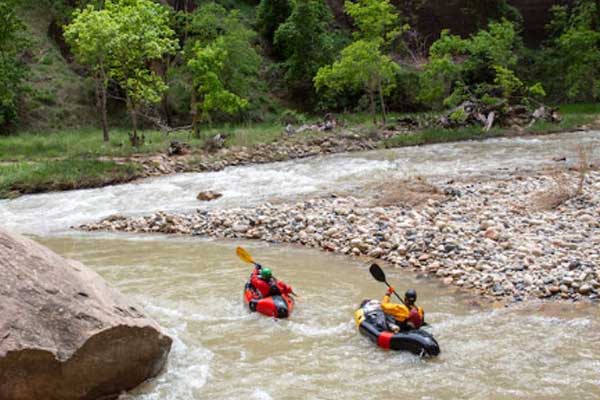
pixel 262 279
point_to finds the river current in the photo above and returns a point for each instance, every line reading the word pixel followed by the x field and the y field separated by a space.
pixel 193 287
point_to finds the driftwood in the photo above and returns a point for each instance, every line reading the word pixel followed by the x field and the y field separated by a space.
pixel 329 123
pixel 177 148
pixel 474 112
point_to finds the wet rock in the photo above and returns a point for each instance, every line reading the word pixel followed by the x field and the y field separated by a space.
pixel 483 239
pixel 65 334
pixel 554 289
pixel 208 195
pixel 585 289
pixel 178 148
pixel 492 234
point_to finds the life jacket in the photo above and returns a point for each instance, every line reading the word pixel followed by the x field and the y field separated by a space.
pixel 415 317
pixel 270 288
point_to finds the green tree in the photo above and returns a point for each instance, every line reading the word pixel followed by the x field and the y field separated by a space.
pixel 12 70
pixel 573 52
pixel 143 35
pixel 220 43
pixel 482 64
pixel 306 44
pixel 271 14
pixel 484 12
pixel 242 63
pixel 120 42
pixel 90 37
pixel 361 66
pixel 375 19
pixel 209 92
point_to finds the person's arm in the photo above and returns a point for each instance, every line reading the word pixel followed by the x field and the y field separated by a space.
pixel 285 289
pixel 398 311
pixel 388 294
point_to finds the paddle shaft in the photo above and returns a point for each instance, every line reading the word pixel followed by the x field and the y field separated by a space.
pixel 397 295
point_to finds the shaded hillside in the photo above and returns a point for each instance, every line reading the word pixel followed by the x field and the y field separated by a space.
pixel 56 96
pixel 434 15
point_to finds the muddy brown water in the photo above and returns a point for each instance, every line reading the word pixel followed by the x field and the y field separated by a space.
pixel 221 351
pixel 193 287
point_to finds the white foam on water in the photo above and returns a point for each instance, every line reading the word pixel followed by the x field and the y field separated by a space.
pixel 260 394
pixel 249 185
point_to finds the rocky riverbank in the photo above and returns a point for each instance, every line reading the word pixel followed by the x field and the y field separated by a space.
pixel 281 150
pixel 510 240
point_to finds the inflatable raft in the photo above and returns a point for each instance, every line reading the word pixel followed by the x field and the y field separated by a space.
pixel 272 306
pixel 371 322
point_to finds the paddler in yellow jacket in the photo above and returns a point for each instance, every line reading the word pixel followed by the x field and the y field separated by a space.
pixel 409 315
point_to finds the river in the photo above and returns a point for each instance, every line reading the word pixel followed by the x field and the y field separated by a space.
pixel 192 286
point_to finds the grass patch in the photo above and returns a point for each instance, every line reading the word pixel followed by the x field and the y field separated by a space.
pixel 580 108
pixel 574 116
pixel 34 177
pixel 250 135
pixel 569 121
pixel 83 143
pixel 440 135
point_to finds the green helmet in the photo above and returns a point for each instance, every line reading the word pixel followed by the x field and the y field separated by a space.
pixel 266 273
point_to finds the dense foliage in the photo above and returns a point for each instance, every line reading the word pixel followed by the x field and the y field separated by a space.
pixel 362 64
pixel 119 42
pixel 271 14
pixel 572 51
pixel 193 62
pixel 481 66
pixel 12 69
pixel 306 44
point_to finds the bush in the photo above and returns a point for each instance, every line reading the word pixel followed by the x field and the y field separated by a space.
pixel 481 66
pixel 572 52
pixel 12 70
pixel 292 117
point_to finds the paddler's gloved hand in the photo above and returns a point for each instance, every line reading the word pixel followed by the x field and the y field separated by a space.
pixel 390 291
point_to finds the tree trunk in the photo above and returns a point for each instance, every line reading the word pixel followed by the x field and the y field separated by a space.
pixel 194 112
pixel 133 137
pixel 382 102
pixel 104 111
pixel 104 115
pixel 165 97
pixel 372 101
pixel 101 105
pixel 135 141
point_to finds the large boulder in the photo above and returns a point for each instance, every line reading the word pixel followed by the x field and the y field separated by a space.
pixel 64 333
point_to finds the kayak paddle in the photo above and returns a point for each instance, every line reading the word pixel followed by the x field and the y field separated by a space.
pixel 379 275
pixel 245 256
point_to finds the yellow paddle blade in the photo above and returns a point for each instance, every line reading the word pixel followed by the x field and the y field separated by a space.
pixel 244 255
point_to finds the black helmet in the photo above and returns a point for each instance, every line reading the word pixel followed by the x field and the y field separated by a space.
pixel 411 295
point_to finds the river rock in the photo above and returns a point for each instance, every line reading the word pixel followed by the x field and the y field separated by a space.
pixel 241 228
pixel 492 239
pixel 64 333
pixel 208 195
